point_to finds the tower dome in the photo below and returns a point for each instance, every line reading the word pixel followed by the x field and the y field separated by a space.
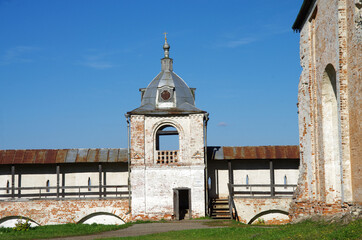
pixel 167 92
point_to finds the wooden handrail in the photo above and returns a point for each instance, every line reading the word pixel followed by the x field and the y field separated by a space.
pixel 231 202
pixel 45 192
pixel 253 192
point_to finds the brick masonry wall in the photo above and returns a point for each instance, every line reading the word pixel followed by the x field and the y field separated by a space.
pixel 332 36
pixel 248 208
pixel 354 45
pixel 60 212
pixel 137 140
pixel 152 183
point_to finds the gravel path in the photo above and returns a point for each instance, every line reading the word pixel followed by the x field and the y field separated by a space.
pixel 146 228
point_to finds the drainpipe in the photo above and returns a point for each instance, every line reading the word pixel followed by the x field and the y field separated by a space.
pixel 206 118
pixel 128 162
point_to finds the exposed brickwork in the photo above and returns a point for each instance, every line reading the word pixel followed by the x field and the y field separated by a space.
pixel 137 140
pixel 248 208
pixel 153 181
pixel 330 175
pixel 60 212
pixel 354 33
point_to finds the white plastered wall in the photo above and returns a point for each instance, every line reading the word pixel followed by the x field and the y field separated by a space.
pixel 153 184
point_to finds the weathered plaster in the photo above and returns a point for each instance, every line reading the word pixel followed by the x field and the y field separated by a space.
pixel 330 171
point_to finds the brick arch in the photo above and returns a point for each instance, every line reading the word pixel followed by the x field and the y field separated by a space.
pixel 263 213
pixel 167 122
pixel 82 220
pixel 16 217
pixel 170 122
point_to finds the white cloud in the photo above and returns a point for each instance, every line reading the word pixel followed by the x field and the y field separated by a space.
pixel 97 64
pixel 96 60
pixel 239 42
pixel 222 124
pixel 17 54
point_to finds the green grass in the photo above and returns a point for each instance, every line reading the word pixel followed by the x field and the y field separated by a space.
pixel 230 230
pixel 63 230
pixel 305 230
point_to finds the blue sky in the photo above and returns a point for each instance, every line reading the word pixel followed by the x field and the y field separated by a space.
pixel 70 70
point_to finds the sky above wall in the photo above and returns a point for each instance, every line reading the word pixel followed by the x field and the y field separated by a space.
pixel 70 70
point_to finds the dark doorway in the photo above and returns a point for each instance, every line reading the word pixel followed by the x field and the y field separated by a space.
pixel 182 203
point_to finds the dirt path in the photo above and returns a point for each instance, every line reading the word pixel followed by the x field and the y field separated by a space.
pixel 146 228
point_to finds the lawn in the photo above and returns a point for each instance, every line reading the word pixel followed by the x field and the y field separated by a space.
pixel 230 230
pixel 63 230
pixel 305 230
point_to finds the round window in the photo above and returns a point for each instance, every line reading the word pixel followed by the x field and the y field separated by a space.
pixel 165 95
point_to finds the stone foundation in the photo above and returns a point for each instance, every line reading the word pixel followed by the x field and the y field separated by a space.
pixel 320 211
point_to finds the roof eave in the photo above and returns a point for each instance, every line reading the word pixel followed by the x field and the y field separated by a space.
pixel 302 15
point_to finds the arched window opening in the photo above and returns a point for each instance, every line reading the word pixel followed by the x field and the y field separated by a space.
pixel 247 181
pixel 285 181
pixel 7 186
pixel 47 186
pixel 89 184
pixel 167 138
pixel 167 145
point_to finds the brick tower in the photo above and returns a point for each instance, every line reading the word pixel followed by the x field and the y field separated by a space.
pixel 167 180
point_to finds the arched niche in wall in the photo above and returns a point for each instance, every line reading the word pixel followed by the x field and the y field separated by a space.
pixel 330 129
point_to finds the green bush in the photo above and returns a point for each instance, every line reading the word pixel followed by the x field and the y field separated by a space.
pixel 21 225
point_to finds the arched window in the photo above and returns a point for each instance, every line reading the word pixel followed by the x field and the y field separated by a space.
pixel 167 138
pixel 285 181
pixel 247 181
pixel 47 186
pixel 89 184
pixel 167 144
pixel 7 186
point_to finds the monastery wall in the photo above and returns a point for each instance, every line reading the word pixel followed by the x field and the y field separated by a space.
pixel 330 133
pixel 354 75
pixel 252 171
pixel 269 210
pixel 44 212
pixel 41 176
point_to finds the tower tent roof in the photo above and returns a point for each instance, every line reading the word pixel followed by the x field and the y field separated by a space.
pixel 167 93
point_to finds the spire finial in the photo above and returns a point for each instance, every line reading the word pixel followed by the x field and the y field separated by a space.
pixel 166 47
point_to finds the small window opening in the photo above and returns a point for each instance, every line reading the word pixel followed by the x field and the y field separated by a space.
pixel 8 187
pixel 167 138
pixel 89 184
pixel 285 181
pixel 247 181
pixel 47 186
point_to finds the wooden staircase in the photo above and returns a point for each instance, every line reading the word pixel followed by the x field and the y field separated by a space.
pixel 219 208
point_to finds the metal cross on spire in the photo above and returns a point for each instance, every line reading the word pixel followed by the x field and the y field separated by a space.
pixel 166 46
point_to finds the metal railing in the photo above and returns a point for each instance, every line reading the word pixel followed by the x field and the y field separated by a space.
pixel 262 190
pixel 65 192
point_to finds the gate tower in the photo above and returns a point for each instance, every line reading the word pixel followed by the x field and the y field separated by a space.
pixel 167 181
